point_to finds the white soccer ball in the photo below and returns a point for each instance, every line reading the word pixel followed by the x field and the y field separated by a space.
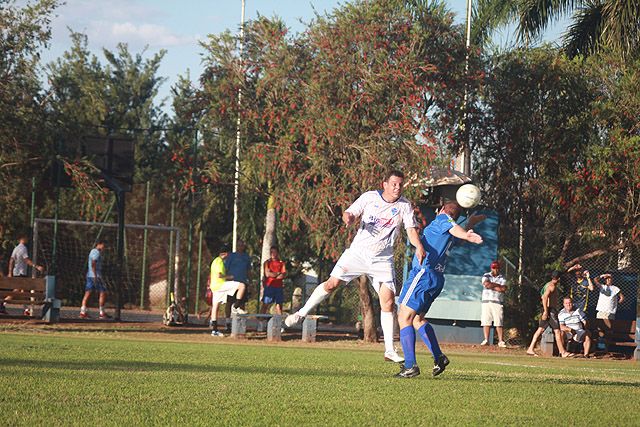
pixel 468 196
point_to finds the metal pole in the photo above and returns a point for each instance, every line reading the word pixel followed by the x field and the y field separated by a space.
pixel 35 247
pixel 33 202
pixel 54 250
pixel 171 248
pixel 236 180
pixel 199 269
pixel 120 251
pixel 190 230
pixel 467 146
pixel 144 248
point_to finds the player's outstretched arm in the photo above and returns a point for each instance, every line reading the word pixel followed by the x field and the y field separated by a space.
pixel 468 235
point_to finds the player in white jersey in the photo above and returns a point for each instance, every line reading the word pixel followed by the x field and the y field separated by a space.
pixel 371 252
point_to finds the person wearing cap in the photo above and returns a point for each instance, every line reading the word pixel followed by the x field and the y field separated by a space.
pixel 549 316
pixel 572 322
pixel 494 286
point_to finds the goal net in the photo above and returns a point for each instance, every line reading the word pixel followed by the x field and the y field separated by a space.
pixel 145 279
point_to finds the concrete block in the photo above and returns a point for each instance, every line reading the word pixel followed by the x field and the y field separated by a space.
pixel 274 328
pixel 238 326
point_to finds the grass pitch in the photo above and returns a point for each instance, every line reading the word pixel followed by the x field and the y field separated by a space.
pixel 149 379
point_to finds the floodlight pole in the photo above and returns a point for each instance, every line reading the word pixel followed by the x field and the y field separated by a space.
pixel 236 180
pixel 466 153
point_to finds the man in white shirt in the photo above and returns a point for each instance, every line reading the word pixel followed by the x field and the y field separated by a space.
pixel 608 300
pixel 371 252
pixel 494 286
pixel 18 267
pixel 572 322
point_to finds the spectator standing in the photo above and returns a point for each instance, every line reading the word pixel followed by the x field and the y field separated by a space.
pixel 274 271
pixel 549 316
pixel 580 287
pixel 608 300
pixel 238 265
pixel 19 262
pixel 95 281
pixel 494 286
pixel 223 285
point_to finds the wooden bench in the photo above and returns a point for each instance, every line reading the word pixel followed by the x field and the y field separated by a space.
pixel 31 292
pixel 239 325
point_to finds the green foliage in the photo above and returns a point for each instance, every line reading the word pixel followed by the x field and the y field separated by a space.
pixel 151 379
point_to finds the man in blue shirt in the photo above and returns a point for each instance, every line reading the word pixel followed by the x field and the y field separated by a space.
pixel 424 284
pixel 95 281
pixel 238 265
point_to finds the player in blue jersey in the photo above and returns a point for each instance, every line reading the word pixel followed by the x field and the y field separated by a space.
pixel 424 284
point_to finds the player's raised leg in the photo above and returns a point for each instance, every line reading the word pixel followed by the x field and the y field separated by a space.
pixel 319 294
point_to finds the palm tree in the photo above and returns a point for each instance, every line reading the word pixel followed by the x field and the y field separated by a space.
pixel 597 25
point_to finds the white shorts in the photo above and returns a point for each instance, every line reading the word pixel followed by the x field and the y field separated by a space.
pixel 353 264
pixel 605 315
pixel 228 288
pixel 491 311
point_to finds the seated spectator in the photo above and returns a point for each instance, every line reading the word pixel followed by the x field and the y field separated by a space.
pixel 18 265
pixel 221 286
pixel 573 322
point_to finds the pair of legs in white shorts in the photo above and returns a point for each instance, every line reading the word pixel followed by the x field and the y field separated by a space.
pixel 353 264
pixel 491 312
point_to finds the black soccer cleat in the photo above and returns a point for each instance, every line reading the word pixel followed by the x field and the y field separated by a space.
pixel 414 371
pixel 440 365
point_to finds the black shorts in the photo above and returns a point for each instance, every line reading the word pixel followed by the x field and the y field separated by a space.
pixel 552 320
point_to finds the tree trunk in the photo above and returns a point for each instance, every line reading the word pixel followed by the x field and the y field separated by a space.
pixel 269 238
pixel 368 316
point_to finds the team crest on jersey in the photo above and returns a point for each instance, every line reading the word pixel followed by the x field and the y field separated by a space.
pixel 394 211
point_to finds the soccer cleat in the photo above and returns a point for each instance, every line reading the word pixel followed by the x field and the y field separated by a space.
pixel 84 315
pixel 238 310
pixel 3 309
pixel 293 320
pixel 393 356
pixel 484 342
pixel 27 312
pixel 502 344
pixel 216 334
pixel 440 365
pixel 414 371
pixel 104 316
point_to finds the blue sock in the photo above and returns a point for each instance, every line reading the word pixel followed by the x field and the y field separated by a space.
pixel 428 335
pixel 408 341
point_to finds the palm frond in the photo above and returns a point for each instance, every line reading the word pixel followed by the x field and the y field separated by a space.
pixel 490 15
pixel 583 35
pixel 536 15
pixel 621 26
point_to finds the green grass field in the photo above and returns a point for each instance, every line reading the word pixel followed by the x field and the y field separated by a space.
pixel 117 378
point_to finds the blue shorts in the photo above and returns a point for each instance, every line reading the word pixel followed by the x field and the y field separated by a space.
pixel 272 295
pixel 421 288
pixel 93 283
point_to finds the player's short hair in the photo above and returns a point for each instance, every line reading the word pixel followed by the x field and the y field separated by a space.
pixel 224 248
pixel 569 298
pixel 555 274
pixel 274 247
pixel 393 172
pixel 100 242
pixel 23 236
pixel 452 208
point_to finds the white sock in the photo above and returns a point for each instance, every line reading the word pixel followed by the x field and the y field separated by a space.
pixel 318 295
pixel 83 309
pixel 386 321
pixel 101 310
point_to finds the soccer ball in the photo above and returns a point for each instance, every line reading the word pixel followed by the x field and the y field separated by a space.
pixel 468 196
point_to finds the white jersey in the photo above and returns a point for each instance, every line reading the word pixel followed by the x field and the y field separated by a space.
pixel 608 299
pixel 489 295
pixel 20 256
pixel 379 223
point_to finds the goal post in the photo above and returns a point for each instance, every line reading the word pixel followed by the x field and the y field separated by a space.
pixel 146 248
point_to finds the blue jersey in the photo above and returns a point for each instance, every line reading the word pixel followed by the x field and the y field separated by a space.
pixel 96 256
pixel 436 240
pixel 238 265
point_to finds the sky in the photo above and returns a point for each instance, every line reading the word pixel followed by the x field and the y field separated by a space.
pixel 174 25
